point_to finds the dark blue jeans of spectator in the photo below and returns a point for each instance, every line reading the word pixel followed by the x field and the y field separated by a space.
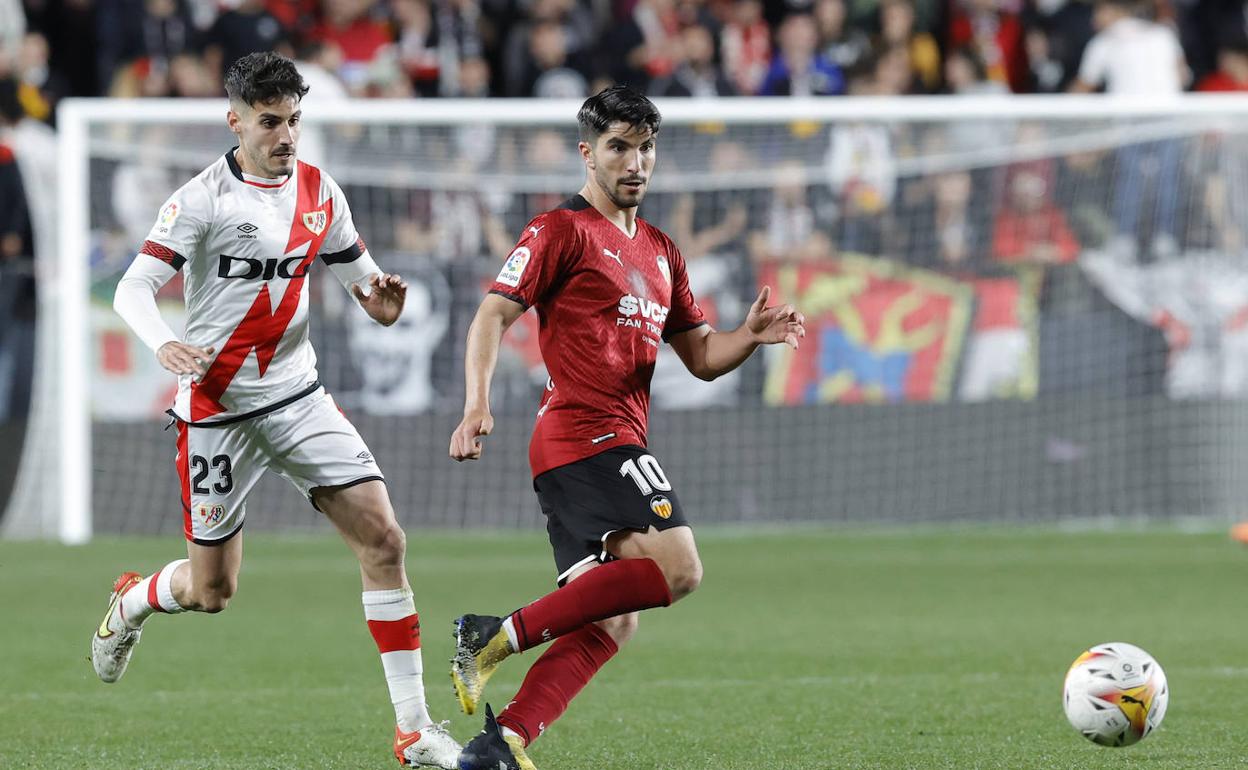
pixel 17 342
pixel 1138 165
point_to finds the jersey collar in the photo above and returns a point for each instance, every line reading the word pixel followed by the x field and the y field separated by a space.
pixel 248 179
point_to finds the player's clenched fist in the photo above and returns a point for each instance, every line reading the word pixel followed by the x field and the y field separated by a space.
pixel 180 358
pixel 466 440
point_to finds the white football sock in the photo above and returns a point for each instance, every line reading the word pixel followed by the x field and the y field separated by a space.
pixel 395 626
pixel 153 594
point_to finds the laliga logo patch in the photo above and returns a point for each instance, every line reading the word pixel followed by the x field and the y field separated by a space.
pixel 315 221
pixel 513 269
pixel 168 215
pixel 211 514
pixel 661 506
pixel 664 269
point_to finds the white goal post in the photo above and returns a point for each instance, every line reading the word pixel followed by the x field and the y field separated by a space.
pixel 53 493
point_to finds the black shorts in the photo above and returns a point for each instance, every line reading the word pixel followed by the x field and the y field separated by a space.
pixel 623 488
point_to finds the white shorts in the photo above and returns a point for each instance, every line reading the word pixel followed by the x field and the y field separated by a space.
pixel 310 442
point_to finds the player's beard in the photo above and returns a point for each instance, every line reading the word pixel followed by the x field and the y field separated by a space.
pixel 281 166
pixel 621 197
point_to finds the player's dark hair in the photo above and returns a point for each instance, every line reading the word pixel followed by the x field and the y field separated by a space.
pixel 261 78
pixel 622 104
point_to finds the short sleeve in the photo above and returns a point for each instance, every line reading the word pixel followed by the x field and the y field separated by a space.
pixel 685 313
pixel 538 262
pixel 181 225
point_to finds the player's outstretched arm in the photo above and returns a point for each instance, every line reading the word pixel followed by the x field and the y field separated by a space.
pixel 709 354
pixel 135 302
pixel 385 297
pixel 493 318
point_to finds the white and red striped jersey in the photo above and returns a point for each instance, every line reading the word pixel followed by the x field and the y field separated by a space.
pixel 245 246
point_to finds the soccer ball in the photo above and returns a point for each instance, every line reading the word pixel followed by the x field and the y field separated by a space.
pixel 1115 694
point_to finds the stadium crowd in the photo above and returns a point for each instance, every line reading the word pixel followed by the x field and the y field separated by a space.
pixel 570 48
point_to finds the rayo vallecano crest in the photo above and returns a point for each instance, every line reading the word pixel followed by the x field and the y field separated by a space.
pixel 663 268
pixel 315 221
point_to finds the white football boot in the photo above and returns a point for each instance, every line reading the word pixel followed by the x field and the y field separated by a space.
pixel 430 746
pixel 114 641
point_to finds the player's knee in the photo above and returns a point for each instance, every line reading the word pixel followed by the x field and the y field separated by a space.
pixel 215 596
pixel 621 627
pixel 388 547
pixel 684 578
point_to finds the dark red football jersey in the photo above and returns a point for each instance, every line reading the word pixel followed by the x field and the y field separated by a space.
pixel 605 303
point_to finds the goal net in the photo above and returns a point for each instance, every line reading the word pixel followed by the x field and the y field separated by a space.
pixel 1019 310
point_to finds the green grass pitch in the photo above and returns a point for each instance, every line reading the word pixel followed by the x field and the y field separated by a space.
pixel 803 649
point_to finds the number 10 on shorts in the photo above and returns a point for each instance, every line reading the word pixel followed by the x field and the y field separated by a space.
pixel 646 474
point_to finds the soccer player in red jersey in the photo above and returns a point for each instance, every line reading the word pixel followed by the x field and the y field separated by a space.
pixel 609 288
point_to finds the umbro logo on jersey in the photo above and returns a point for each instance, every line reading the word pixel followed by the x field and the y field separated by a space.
pixel 364 457
pixel 246 230
pixel 613 255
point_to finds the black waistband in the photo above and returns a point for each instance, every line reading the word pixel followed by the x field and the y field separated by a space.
pixel 249 415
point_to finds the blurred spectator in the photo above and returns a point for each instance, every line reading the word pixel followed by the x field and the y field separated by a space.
pixel 418 45
pixel 1232 71
pixel 552 74
pixel 1030 227
pixel 39 86
pixel 862 174
pixel 956 229
pixel 697 73
pixel 155 30
pixel 798 69
pixel 298 17
pixel 318 64
pixel 940 224
pixel 965 74
pixel 798 219
pixel 188 77
pixel 746 44
pixel 1057 31
pixel 17 271
pixel 893 73
pixel 897 31
pixel 432 40
pixel 641 45
pixel 1084 179
pixel 1130 55
pixel 474 78
pixel 844 45
pixel 994 30
pixel 349 25
pixel 578 40
pixel 712 222
pixel 246 28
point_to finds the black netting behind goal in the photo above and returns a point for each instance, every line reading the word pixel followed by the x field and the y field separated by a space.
pixel 1009 320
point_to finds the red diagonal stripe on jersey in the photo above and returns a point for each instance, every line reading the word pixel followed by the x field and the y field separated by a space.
pixel 262 327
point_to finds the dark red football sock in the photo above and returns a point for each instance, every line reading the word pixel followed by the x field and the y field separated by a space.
pixel 615 588
pixel 556 678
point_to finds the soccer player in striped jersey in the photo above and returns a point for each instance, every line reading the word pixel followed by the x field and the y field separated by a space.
pixel 609 289
pixel 244 233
